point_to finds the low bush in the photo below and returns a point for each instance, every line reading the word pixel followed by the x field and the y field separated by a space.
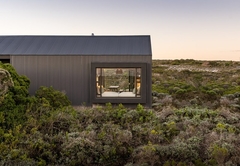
pixel 115 135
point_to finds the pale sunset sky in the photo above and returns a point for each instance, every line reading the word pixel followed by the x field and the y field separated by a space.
pixel 179 29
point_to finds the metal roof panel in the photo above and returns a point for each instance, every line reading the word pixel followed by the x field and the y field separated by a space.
pixel 75 45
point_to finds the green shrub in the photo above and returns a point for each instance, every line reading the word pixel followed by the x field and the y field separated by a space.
pixel 55 98
pixel 13 104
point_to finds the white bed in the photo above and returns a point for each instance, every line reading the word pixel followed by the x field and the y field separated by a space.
pixel 117 94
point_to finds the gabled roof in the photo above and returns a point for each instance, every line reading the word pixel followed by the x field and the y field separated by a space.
pixel 75 45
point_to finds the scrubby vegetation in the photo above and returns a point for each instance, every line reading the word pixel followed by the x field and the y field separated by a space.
pixel 190 82
pixel 40 130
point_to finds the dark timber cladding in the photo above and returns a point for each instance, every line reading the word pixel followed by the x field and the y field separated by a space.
pixel 64 62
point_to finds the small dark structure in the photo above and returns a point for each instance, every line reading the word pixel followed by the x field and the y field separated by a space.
pixel 89 69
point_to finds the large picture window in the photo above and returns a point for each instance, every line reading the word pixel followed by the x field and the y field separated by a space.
pixel 118 82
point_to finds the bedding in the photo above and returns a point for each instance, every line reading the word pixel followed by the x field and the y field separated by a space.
pixel 117 94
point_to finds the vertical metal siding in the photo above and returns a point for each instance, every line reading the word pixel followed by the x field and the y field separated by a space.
pixel 70 74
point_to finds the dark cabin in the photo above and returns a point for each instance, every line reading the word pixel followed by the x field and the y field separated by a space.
pixel 89 69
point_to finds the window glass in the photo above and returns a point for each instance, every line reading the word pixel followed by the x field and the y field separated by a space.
pixel 118 82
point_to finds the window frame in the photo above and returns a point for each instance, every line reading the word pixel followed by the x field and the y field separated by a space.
pixel 134 100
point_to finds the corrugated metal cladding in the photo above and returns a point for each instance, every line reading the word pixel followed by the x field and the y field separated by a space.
pixel 75 45
pixel 70 74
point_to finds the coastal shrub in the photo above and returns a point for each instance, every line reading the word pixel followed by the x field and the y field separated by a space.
pixel 55 98
pixel 116 135
pixel 14 103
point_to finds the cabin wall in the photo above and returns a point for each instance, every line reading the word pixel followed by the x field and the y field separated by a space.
pixel 70 74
